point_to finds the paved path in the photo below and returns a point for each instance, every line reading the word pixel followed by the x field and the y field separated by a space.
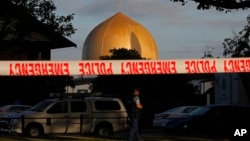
pixel 148 135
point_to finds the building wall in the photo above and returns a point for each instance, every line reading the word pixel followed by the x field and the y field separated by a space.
pixel 229 89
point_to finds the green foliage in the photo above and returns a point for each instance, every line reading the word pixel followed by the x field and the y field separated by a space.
pixel 239 44
pixel 122 54
pixel 43 11
pixel 220 5
pixel 117 82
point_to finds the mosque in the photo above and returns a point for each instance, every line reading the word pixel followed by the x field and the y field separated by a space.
pixel 119 31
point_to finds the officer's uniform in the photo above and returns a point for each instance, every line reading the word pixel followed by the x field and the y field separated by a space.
pixel 134 117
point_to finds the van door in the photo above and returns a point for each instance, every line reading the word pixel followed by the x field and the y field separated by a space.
pixel 57 118
pixel 80 117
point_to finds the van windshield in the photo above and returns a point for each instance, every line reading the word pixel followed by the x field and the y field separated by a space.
pixel 41 106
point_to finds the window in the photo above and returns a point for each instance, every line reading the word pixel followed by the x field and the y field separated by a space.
pixel 78 106
pixel 60 107
pixel 189 109
pixel 107 105
pixel 15 109
pixel 41 106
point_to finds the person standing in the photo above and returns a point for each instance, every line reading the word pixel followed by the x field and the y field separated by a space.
pixel 135 113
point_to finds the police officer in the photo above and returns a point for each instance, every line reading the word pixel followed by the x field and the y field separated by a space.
pixel 136 108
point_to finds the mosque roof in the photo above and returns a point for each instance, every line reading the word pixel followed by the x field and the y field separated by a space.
pixel 119 31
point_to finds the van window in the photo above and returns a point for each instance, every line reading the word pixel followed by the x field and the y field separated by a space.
pixel 60 107
pixel 41 106
pixel 107 105
pixel 78 106
pixel 15 109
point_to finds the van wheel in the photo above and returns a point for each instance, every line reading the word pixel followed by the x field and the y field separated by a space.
pixel 34 131
pixel 103 131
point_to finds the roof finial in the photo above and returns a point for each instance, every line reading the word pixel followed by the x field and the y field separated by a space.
pixel 119 5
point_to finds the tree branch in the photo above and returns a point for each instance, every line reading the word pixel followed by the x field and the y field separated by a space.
pixel 226 4
pixel 219 4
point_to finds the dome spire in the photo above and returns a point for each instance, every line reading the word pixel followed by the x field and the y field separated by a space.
pixel 119 5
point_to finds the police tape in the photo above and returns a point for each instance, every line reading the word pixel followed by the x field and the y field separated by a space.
pixel 124 67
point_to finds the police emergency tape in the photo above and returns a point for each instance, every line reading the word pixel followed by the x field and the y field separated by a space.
pixel 124 67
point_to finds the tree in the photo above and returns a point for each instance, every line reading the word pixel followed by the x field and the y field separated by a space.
pixel 239 44
pixel 123 54
pixel 208 52
pixel 13 29
pixel 220 5
pixel 117 83
pixel 42 10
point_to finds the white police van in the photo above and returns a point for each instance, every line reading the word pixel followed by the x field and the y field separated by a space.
pixel 95 114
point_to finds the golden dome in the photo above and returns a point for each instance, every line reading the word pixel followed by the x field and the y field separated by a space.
pixel 119 31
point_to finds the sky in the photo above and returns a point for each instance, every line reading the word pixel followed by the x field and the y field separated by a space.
pixel 180 32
